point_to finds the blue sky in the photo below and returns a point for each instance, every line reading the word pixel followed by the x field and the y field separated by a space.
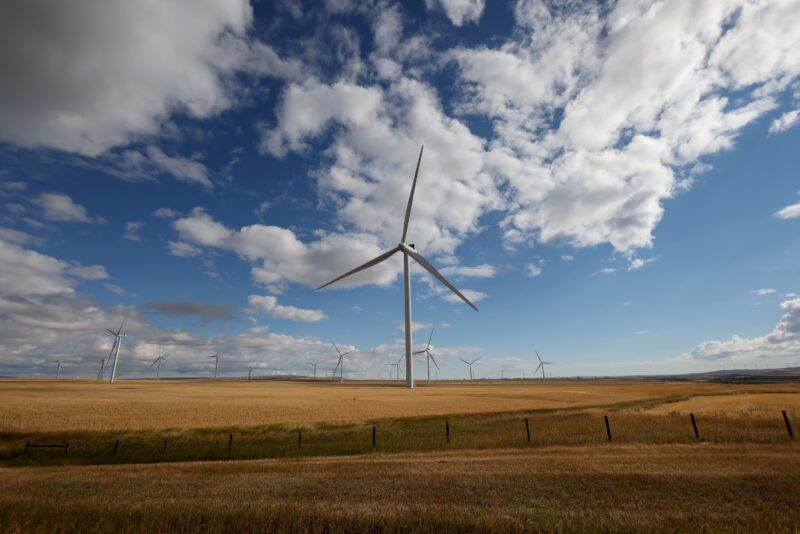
pixel 613 184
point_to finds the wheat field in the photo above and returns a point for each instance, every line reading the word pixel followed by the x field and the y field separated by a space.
pixel 86 405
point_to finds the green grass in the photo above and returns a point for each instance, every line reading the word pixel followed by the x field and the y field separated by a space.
pixel 414 434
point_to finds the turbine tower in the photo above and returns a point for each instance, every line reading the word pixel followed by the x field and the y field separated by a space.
pixel 470 365
pixel 396 365
pixel 158 361
pixel 58 369
pixel 216 363
pixel 101 368
pixel 429 356
pixel 541 364
pixel 118 335
pixel 340 363
pixel 314 365
pixel 408 251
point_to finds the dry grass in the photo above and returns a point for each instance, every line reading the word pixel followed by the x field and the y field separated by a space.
pixel 739 405
pixel 83 405
pixel 734 487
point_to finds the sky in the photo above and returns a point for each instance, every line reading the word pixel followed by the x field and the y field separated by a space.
pixel 613 184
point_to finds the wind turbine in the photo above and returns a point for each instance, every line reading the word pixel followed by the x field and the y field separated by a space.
pixel 102 365
pixel 216 363
pixel 118 335
pixel 249 373
pixel 58 369
pixel 408 250
pixel 314 365
pixel 470 365
pixel 427 352
pixel 340 363
pixel 397 367
pixel 541 363
pixel 158 361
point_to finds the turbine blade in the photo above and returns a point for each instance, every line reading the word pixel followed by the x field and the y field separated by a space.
pixel 537 355
pixel 337 349
pixel 386 255
pixel 430 338
pixel 538 367
pixel 548 363
pixel 476 359
pixel 348 352
pixel 422 261
pixel 111 332
pixel 411 198
pixel 434 361
pixel 419 352
pixel 465 361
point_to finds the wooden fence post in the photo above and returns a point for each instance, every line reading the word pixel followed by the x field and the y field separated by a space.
pixel 527 430
pixel 116 448
pixel 447 430
pixel 230 442
pixel 373 437
pixel 788 424
pixel 165 444
pixel 28 444
pixel 608 428
pixel 694 425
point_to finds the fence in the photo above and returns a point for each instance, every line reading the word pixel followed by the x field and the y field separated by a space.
pixel 422 434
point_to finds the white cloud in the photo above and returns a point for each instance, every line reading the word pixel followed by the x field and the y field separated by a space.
pixel 269 304
pixel 103 84
pixel 637 263
pixel 165 213
pixel 533 270
pixel 471 294
pixel 763 292
pixel 183 250
pixel 567 257
pixel 605 270
pixel 782 341
pixel 789 212
pixel 459 11
pixel 785 121
pixel 59 207
pixel 132 231
pixel 89 272
pixel 181 168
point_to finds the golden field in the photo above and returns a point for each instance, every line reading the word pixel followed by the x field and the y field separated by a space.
pixel 651 488
pixel 84 405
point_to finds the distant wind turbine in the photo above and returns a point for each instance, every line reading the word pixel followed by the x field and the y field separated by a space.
pixel 542 363
pixel 101 368
pixel 470 365
pixel 340 363
pixel 314 365
pixel 158 361
pixel 429 356
pixel 396 365
pixel 58 369
pixel 408 250
pixel 216 363
pixel 118 335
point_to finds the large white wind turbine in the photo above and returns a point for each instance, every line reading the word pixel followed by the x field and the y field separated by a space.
pixel 408 250
pixel 470 365
pixel 216 363
pixel 118 335
pixel 542 363
pixel 428 355
pixel 340 363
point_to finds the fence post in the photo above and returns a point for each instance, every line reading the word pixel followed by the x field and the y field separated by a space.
pixel 788 424
pixel 230 442
pixel 694 425
pixel 608 428
pixel 28 444
pixel 373 437
pixel 527 430
pixel 165 444
pixel 299 440
pixel 447 430
pixel 116 448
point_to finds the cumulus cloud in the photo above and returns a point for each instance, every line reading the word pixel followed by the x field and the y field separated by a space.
pixel 183 250
pixel 763 291
pixel 132 231
pixel 89 272
pixel 269 304
pixel 165 213
pixel 637 263
pixel 533 270
pixel 785 121
pixel 789 212
pixel 782 341
pixel 478 271
pixel 459 11
pixel 184 169
pixel 60 207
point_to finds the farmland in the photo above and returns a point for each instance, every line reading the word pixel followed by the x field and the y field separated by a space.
pixel 452 456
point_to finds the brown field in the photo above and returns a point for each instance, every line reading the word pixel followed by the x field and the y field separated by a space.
pixel 652 488
pixel 739 404
pixel 72 405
